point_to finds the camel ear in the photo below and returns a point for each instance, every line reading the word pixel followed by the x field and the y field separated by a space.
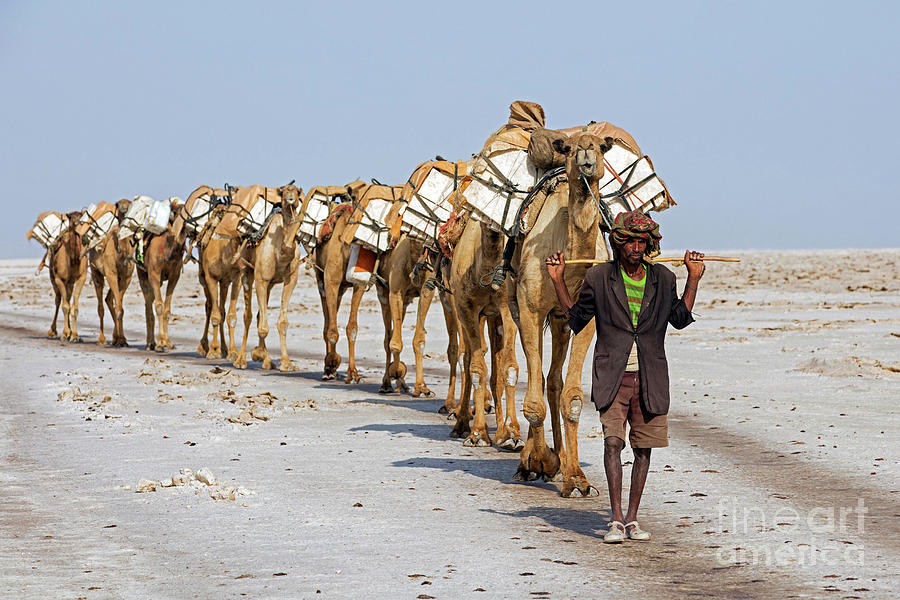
pixel 607 144
pixel 560 145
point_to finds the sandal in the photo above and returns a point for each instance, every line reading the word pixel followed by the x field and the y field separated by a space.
pixel 616 533
pixel 636 533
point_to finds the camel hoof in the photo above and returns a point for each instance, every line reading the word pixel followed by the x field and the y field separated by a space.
pixel 287 366
pixel 51 333
pixel 423 392
pixel 512 445
pixel 120 344
pixel 328 376
pixel 443 410
pixel 214 354
pixel 75 339
pixel 476 441
pixel 402 388
pixel 101 342
pixel 203 349
pixel 554 478
pixel 267 364
pixel 589 492
pixel 524 475
pixel 451 416
pixel 240 364
pixel 258 354
pixel 232 356
pixel 385 389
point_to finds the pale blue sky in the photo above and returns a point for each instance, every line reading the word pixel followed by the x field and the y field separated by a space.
pixel 774 124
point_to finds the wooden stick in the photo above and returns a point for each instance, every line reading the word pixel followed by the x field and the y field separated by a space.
pixel 594 261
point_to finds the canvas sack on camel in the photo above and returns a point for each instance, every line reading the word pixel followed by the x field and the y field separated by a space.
pixel 96 223
pixel 368 221
pixel 158 215
pixel 316 207
pixel 249 210
pixel 197 208
pixel 426 198
pixel 501 175
pixel 48 228
pixel 134 219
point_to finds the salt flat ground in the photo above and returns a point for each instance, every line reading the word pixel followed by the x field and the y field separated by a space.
pixel 781 478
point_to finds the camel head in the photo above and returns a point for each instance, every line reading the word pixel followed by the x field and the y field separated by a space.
pixel 584 155
pixel 291 197
pixel 584 169
pixel 122 207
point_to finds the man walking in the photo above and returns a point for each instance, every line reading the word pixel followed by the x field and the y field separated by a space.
pixel 633 302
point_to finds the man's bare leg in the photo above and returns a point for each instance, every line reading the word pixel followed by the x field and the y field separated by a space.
pixel 612 462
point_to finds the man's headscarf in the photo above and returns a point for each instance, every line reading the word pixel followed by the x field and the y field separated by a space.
pixel 636 224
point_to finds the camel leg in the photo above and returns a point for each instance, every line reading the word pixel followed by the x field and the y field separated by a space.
pixel 97 279
pixel 215 296
pixel 420 390
pixel 330 289
pixel 73 307
pixel 478 373
pixel 575 484
pixel 398 312
pixel 559 345
pixel 472 327
pixel 537 459
pixel 386 387
pixel 55 284
pixel 285 365
pixel 509 436
pixel 453 351
pixel 116 310
pixel 263 290
pixel 232 318
pixel 351 330
pixel 167 308
pixel 66 296
pixel 398 367
pixel 203 348
pixel 240 359
pixel 149 319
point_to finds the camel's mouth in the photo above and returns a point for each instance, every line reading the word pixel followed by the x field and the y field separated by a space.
pixel 587 163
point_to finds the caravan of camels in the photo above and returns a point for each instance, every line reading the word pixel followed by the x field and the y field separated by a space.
pixel 476 232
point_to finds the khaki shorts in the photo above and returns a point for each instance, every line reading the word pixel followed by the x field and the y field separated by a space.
pixel 647 431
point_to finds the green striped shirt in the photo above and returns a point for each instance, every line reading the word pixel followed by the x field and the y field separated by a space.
pixel 634 291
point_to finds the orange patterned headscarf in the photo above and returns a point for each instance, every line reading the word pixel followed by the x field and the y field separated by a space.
pixel 636 224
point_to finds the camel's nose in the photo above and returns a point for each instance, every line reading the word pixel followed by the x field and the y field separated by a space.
pixel 586 161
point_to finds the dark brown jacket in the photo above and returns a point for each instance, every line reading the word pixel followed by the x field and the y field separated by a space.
pixel 602 297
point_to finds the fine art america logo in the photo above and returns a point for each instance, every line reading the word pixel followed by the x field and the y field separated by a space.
pixel 817 536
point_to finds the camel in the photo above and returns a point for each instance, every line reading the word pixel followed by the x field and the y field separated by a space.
pixel 567 220
pixel 476 254
pixel 330 259
pixel 111 262
pixel 396 290
pixel 274 259
pixel 425 203
pixel 162 262
pixel 199 215
pixel 68 270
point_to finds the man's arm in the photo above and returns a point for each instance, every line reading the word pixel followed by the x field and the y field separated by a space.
pixel 578 313
pixel 556 267
pixel 695 267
